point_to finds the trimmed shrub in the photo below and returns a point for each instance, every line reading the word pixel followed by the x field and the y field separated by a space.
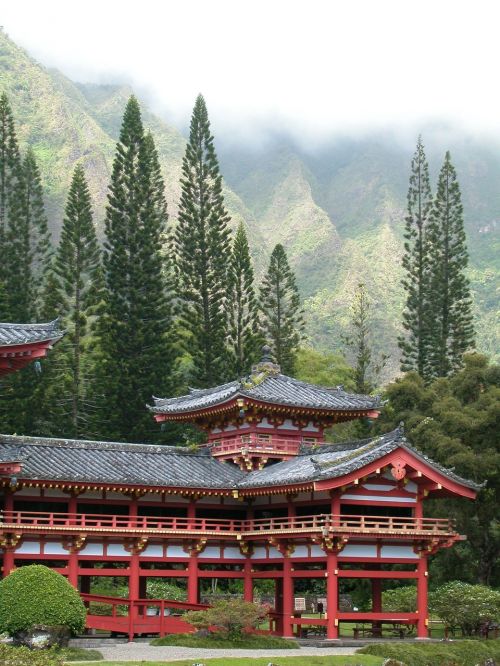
pixel 22 656
pixel 38 596
pixel 459 653
pixel 230 617
pixel 400 599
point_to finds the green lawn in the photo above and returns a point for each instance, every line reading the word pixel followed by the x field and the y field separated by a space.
pixel 354 660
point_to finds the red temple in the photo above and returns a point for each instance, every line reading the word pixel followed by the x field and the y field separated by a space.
pixel 265 498
pixel 21 344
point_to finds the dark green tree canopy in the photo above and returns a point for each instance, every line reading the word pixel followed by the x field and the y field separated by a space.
pixel 282 322
pixel 415 343
pixel 244 338
pixel 202 254
pixel 451 327
pixel 134 324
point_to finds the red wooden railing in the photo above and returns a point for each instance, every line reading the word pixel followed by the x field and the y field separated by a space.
pixel 255 442
pixel 139 616
pixel 229 528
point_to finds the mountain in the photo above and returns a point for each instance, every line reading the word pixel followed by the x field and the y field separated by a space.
pixel 339 209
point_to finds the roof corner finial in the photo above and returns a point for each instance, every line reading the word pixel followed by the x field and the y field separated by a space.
pixel 267 356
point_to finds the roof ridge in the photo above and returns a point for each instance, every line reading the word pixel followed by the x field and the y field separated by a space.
pixel 32 326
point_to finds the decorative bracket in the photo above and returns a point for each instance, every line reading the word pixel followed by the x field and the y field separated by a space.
pixel 135 546
pixel 282 546
pixel 194 547
pixel 398 469
pixel 329 543
pixel 246 548
pixel 10 541
pixel 74 544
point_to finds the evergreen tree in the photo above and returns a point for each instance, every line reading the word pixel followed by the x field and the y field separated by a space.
pixel 202 254
pixel 27 243
pixel 358 341
pixel 450 305
pixel 10 165
pixel 135 355
pixel 415 343
pixel 244 339
pixel 73 293
pixel 282 324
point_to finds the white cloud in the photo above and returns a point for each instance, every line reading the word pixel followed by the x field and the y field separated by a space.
pixel 314 67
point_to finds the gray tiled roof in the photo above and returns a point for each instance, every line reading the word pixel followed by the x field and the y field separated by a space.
pixel 276 389
pixel 21 334
pixel 144 464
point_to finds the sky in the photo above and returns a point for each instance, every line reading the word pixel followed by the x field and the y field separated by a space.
pixel 314 68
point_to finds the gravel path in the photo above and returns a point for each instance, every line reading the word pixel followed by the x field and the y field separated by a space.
pixel 143 651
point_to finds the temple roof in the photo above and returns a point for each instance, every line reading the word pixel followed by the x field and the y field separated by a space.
pixel 22 334
pixel 276 389
pixel 177 467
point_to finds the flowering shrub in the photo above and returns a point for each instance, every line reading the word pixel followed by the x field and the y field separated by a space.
pixel 469 607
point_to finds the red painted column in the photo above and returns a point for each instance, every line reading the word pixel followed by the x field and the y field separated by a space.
pixel 287 597
pixel 422 589
pixel 332 595
pixel 133 590
pixel 191 513
pixel 133 509
pixel 419 509
pixel 247 580
pixel 335 507
pixel 73 567
pixel 8 552
pixel 192 583
pixel 376 603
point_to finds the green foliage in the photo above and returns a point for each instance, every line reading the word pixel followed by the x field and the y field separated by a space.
pixel 133 330
pixel 216 641
pixel 231 617
pixel 244 338
pixel 282 323
pixel 449 310
pixel 159 588
pixel 459 653
pixel 415 343
pixel 37 595
pixel 202 253
pixel 400 599
pixel 466 606
pixel 323 368
pixel 358 342
pixel 22 656
pixel 454 420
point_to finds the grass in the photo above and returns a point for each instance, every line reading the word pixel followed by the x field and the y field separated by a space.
pixel 253 642
pixel 341 660
pixel 461 653
pixel 79 654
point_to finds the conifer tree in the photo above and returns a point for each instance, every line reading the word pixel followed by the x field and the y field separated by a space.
pixel 282 323
pixel 244 339
pixel 72 293
pixel 27 242
pixel 202 253
pixel 415 343
pixel 135 354
pixel 359 342
pixel 450 304
pixel 10 165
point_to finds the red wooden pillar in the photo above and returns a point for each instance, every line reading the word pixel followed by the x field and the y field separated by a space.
pixel 192 583
pixel 247 580
pixel 133 509
pixel 332 595
pixel 287 597
pixel 73 567
pixel 377 604
pixel 191 514
pixel 419 510
pixel 133 590
pixel 422 588
pixel 8 551
pixel 335 507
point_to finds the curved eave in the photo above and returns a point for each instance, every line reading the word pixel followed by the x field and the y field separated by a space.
pixel 231 404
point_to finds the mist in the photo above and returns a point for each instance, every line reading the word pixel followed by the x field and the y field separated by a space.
pixel 312 70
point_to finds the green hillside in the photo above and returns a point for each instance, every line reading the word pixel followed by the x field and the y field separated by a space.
pixel 338 210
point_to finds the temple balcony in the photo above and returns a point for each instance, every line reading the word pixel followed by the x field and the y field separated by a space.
pixel 254 445
pixel 24 523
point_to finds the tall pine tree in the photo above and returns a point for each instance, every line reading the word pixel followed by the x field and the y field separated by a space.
pixel 450 304
pixel 282 323
pixel 28 243
pixel 10 167
pixel 244 338
pixel 134 325
pixel 414 344
pixel 74 288
pixel 202 254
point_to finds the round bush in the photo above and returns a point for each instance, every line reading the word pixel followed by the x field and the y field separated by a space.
pixel 36 595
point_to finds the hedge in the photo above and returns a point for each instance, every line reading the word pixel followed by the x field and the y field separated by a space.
pixel 36 595
pixel 22 656
pixel 461 653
